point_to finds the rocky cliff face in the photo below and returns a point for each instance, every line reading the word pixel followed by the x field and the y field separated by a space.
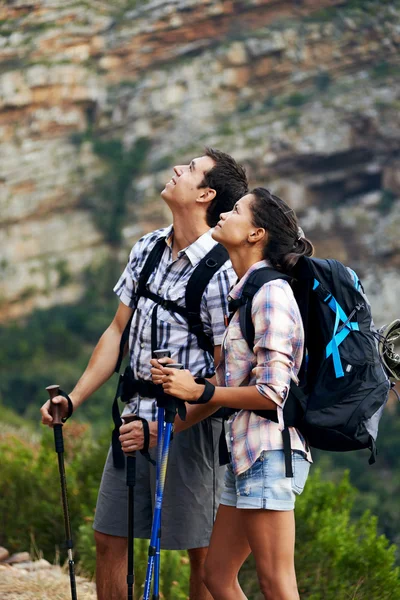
pixel 98 101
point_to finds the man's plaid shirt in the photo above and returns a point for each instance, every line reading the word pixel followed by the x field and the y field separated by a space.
pixel 169 280
pixel 276 360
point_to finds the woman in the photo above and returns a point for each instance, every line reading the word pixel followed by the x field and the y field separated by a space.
pixel 256 513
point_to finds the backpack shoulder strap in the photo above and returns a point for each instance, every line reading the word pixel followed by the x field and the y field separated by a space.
pixel 152 260
pixel 195 289
pixel 251 287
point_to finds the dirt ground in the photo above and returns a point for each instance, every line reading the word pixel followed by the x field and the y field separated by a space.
pixel 43 584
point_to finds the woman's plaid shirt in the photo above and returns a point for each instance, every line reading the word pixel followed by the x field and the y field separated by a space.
pixel 169 281
pixel 276 360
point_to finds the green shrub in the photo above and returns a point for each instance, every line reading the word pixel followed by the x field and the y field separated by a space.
pixel 336 554
pixel 30 503
pixel 337 558
pixel 322 80
pixel 382 70
pixel 293 118
pixel 388 198
pixel 297 99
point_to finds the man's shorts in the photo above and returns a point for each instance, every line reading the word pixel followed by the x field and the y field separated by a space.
pixel 265 484
pixel 191 495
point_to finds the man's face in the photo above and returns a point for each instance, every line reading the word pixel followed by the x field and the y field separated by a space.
pixel 183 188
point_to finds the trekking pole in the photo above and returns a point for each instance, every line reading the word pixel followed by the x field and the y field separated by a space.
pixel 157 558
pixel 160 434
pixel 130 482
pixel 54 390
pixel 170 412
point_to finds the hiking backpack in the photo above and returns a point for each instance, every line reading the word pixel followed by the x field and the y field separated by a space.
pixel 198 281
pixel 343 386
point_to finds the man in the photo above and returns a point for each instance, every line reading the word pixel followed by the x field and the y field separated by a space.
pixel 196 195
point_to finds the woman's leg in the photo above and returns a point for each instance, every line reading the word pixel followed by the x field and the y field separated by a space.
pixel 227 552
pixel 271 536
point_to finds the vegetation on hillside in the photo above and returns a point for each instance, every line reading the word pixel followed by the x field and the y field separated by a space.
pixel 338 557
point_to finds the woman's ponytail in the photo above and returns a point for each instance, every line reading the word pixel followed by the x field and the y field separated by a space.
pixel 302 247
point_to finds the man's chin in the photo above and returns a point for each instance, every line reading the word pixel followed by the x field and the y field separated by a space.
pixel 164 194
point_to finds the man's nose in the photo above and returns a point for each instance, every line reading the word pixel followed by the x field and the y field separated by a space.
pixel 178 170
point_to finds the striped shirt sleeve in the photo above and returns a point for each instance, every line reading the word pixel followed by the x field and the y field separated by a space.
pixel 214 304
pixel 126 286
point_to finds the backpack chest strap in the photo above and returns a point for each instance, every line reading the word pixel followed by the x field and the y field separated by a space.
pixel 165 303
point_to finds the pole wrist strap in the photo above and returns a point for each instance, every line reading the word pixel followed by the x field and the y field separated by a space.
pixel 70 405
pixel 208 393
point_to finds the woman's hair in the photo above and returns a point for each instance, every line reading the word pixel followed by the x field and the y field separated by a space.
pixel 286 242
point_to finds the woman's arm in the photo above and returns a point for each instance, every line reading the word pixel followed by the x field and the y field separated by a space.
pixel 195 413
pixel 182 385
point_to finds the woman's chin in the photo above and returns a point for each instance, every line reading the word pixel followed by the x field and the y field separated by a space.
pixel 216 234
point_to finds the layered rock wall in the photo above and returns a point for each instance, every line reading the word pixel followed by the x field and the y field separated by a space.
pixel 305 93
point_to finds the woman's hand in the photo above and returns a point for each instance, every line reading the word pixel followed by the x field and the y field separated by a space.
pixel 156 370
pixel 181 384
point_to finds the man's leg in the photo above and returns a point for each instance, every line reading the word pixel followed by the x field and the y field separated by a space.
pixel 197 589
pixel 111 527
pixel 111 557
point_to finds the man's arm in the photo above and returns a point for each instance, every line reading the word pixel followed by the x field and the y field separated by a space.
pixel 100 367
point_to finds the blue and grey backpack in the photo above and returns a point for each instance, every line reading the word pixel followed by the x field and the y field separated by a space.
pixel 343 384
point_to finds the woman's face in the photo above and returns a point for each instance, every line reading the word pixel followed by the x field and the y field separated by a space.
pixel 234 227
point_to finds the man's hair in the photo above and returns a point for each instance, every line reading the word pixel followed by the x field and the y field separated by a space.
pixel 228 179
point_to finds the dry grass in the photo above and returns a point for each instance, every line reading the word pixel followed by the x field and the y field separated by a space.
pixel 45 584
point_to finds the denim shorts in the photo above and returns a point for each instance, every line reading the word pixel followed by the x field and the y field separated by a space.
pixel 265 484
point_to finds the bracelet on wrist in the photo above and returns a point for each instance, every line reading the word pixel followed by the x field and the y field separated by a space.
pixel 207 394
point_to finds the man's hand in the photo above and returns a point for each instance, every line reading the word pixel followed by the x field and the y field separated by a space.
pixel 132 438
pixel 47 418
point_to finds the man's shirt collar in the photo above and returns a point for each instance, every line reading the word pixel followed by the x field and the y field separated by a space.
pixel 196 251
